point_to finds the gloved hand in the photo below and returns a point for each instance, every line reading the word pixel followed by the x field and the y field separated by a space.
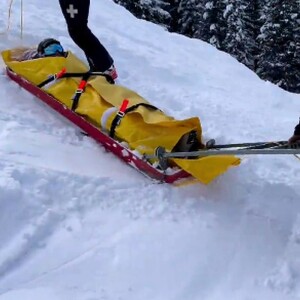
pixel 294 139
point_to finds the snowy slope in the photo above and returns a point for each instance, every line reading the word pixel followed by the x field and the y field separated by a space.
pixel 76 223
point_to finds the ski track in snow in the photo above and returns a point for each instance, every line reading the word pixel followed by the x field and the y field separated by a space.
pixel 77 223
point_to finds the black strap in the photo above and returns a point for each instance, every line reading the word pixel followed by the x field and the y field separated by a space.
pixel 117 119
pixel 69 75
pixel 79 93
pixel 134 107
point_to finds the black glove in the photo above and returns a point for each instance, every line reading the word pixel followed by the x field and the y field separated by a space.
pixel 297 129
pixel 296 137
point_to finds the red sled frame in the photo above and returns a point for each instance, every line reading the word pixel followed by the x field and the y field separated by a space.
pixel 107 142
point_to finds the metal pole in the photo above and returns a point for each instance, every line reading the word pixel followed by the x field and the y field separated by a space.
pixel 234 152
pixel 201 153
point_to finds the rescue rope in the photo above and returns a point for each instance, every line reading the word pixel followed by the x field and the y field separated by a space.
pixel 21 20
pixel 9 15
pixel 8 19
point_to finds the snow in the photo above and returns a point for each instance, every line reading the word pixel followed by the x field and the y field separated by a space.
pixel 77 223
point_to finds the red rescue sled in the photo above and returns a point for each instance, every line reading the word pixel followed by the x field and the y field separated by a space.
pixel 135 161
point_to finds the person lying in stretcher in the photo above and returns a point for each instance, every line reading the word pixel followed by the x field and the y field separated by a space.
pixel 46 48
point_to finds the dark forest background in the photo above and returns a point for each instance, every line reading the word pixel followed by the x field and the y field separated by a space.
pixel 262 34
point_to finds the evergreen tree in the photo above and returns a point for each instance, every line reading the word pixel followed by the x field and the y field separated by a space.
pixel 262 34
pixel 214 29
pixel 279 60
pixel 202 19
pixel 291 60
pixel 190 17
pixel 243 19
pixel 156 11
pixel 174 13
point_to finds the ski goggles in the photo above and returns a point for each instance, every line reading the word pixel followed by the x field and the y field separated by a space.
pixel 53 49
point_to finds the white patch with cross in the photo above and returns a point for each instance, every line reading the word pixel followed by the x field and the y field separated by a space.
pixel 72 11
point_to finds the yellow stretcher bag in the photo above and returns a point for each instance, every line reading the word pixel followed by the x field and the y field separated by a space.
pixel 143 129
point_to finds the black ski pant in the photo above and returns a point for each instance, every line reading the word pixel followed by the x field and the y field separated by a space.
pixel 76 13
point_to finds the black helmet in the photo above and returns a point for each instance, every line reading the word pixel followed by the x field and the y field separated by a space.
pixel 50 47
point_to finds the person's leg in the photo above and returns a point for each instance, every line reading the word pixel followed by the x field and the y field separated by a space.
pixel 76 14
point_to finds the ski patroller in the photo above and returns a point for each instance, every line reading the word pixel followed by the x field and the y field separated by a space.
pixel 159 164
